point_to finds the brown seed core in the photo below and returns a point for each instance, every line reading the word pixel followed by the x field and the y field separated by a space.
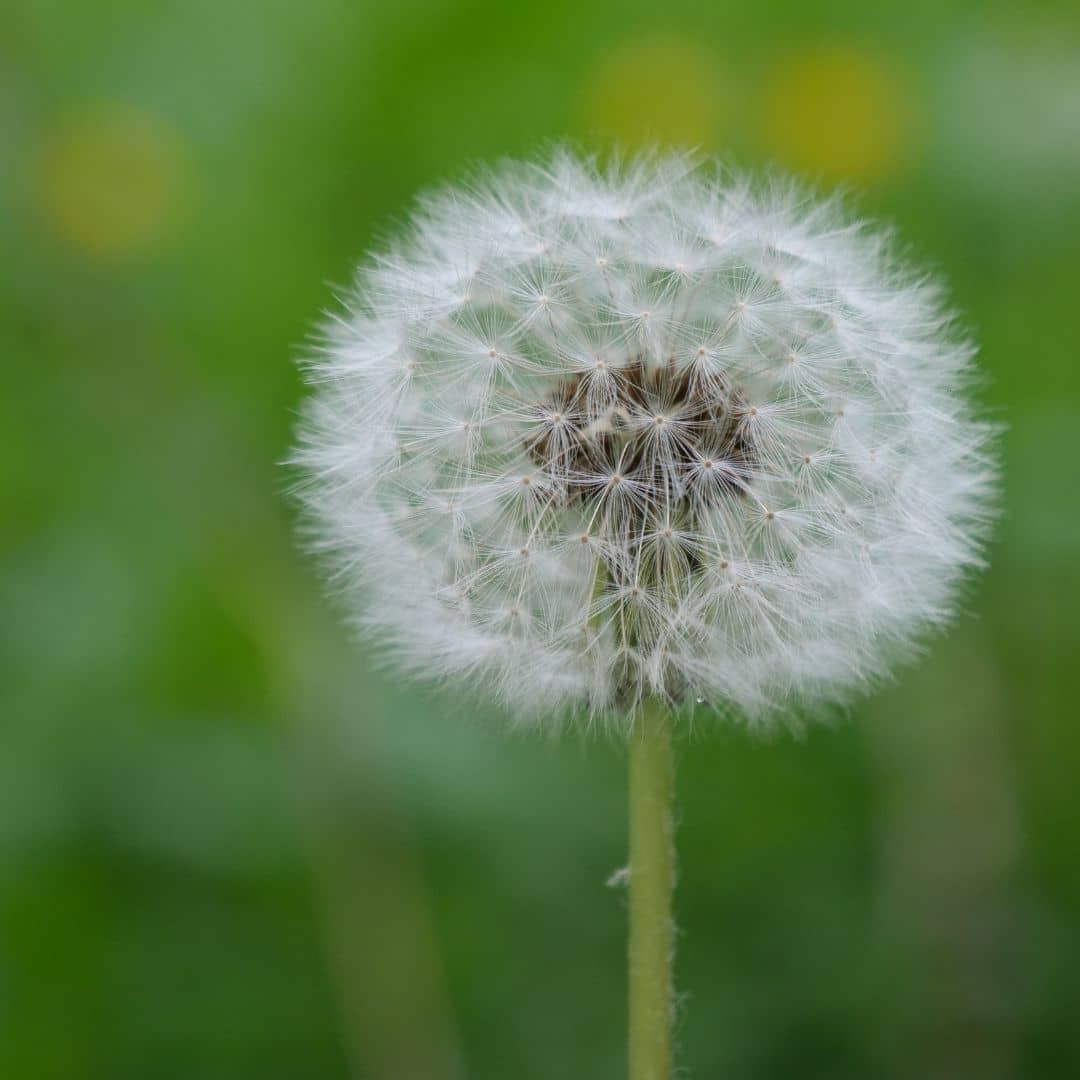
pixel 682 438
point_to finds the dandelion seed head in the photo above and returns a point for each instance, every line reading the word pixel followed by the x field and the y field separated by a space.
pixel 588 436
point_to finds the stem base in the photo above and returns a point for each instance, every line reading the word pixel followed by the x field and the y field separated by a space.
pixel 652 881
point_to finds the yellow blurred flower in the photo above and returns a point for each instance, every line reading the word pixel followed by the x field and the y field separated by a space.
pixel 839 112
pixel 111 179
pixel 655 91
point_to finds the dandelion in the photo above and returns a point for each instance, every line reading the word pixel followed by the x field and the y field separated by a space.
pixel 599 443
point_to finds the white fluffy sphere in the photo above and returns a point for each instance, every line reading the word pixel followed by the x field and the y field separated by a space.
pixel 587 436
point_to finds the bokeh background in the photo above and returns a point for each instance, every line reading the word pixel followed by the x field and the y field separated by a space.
pixel 230 848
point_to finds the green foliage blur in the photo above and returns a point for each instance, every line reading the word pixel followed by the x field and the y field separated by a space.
pixel 229 847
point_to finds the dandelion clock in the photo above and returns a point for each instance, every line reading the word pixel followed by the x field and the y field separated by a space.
pixel 597 444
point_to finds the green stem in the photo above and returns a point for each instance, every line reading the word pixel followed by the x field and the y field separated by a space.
pixel 652 881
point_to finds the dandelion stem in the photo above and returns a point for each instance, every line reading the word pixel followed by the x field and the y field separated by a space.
pixel 652 881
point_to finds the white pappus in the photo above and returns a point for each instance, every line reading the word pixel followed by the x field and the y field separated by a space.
pixel 589 435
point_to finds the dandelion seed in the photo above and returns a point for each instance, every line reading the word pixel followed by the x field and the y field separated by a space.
pixel 750 486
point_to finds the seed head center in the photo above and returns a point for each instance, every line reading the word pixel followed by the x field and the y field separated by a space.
pixel 704 426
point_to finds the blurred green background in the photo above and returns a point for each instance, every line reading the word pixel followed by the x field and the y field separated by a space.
pixel 228 847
